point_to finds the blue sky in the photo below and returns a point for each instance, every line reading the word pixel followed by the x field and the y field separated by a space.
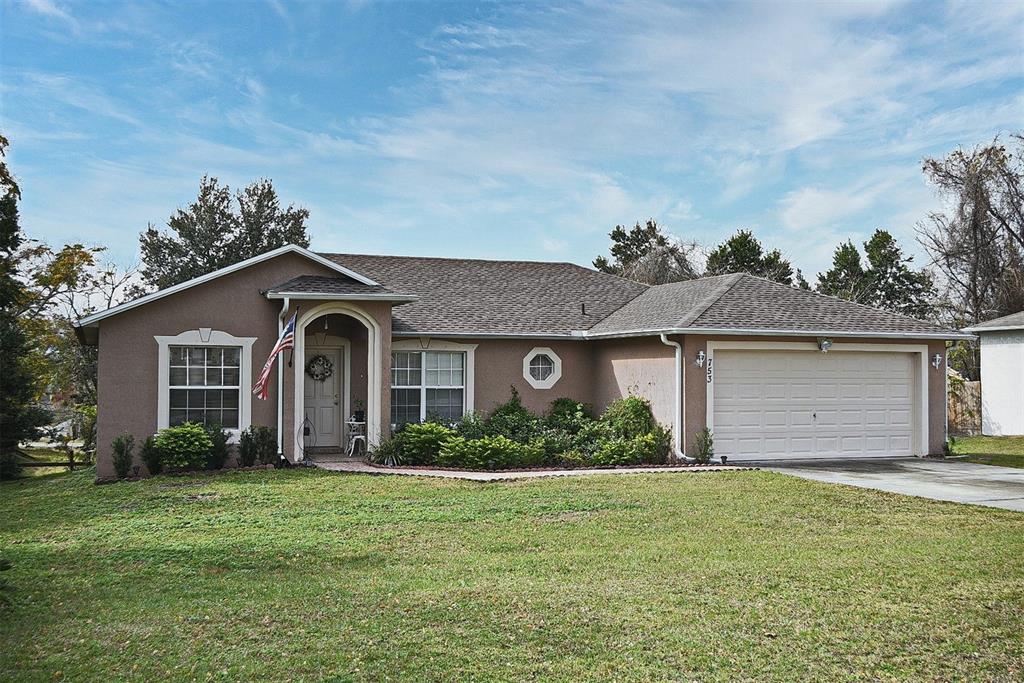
pixel 503 130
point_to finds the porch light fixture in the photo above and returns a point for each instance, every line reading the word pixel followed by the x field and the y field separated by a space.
pixel 824 344
pixel 937 361
pixel 700 359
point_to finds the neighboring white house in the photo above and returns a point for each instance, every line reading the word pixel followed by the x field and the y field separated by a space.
pixel 1002 375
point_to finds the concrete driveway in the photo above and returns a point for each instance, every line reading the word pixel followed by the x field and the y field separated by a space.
pixel 959 482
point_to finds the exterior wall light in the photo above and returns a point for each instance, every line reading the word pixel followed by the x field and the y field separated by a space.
pixel 700 359
pixel 824 344
pixel 937 361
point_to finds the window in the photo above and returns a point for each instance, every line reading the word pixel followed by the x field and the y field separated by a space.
pixel 204 384
pixel 427 384
pixel 542 368
pixel 204 376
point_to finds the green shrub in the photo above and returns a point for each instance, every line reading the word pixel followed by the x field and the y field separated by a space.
pixel 490 453
pixel 568 414
pixel 630 417
pixel 512 420
pixel 589 439
pixel 123 447
pixel 471 426
pixel 705 449
pixel 572 459
pixel 663 445
pixel 184 447
pixel 220 450
pixel 620 451
pixel 257 444
pixel 151 456
pixel 387 453
pixel 555 443
pixel 420 443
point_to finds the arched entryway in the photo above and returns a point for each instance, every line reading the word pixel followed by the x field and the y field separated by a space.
pixel 373 366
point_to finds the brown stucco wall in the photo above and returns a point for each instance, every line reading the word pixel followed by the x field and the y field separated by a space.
pixel 695 383
pixel 499 366
pixel 127 372
pixel 640 366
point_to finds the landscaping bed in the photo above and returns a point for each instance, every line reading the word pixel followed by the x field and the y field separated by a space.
pixel 510 438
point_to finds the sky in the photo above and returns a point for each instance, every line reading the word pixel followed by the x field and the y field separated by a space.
pixel 513 130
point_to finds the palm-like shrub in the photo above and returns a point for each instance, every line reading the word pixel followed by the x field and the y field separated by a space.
pixel 123 447
pixel 420 443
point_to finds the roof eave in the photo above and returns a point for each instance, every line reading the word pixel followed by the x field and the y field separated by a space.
pixel 1001 328
pixel 325 296
pixel 780 333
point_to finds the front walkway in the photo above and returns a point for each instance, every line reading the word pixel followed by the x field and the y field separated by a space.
pixel 358 467
pixel 959 482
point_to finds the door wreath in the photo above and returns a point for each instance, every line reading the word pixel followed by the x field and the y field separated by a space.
pixel 320 367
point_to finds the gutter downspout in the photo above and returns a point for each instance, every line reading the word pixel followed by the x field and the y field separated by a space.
pixel 280 381
pixel 677 431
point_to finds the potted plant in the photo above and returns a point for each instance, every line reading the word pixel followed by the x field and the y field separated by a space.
pixel 359 410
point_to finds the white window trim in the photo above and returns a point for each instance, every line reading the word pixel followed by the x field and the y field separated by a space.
pixel 204 336
pixel 469 371
pixel 556 371
pixel 921 416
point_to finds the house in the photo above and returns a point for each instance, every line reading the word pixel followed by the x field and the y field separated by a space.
pixel 775 372
pixel 1002 375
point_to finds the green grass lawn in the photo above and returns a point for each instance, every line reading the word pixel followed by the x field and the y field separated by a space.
pixel 307 575
pixel 1007 451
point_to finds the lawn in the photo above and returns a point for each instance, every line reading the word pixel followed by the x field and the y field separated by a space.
pixel 306 575
pixel 1007 451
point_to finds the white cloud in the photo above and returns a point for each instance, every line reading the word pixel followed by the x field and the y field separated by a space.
pixel 50 9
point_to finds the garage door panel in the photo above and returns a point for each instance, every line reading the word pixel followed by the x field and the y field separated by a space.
pixel 807 404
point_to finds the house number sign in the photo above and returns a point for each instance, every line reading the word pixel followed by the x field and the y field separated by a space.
pixel 710 361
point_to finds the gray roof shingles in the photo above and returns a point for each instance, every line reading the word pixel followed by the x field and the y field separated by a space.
pixel 322 284
pixel 533 298
pixel 753 303
pixel 1014 320
pixel 494 297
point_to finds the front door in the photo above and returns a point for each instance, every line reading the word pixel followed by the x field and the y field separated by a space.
pixel 322 401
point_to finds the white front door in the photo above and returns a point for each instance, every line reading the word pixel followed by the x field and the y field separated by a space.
pixel 806 404
pixel 322 401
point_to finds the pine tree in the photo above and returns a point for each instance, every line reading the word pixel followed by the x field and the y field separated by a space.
pixel 894 285
pixel 847 278
pixel 19 420
pixel 743 253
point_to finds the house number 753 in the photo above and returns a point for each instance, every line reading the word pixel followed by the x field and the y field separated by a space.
pixel 710 361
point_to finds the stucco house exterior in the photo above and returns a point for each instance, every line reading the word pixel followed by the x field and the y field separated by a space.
pixel 1002 375
pixel 775 372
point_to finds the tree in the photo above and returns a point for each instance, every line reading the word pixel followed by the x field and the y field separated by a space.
pixel 847 278
pixel 646 254
pixel 977 246
pixel 19 420
pixel 743 253
pixel 894 285
pixel 217 230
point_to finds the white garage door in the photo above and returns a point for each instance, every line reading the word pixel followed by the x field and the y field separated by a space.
pixel 808 404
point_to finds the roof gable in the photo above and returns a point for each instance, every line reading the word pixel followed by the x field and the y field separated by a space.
pixel 287 249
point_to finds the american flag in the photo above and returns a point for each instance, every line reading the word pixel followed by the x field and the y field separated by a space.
pixel 287 341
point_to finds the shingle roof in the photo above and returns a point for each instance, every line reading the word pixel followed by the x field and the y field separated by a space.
pixel 753 303
pixel 1013 321
pixel 469 296
pixel 671 306
pixel 322 284
pixel 494 297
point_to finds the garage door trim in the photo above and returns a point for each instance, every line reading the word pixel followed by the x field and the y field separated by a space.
pixel 920 429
